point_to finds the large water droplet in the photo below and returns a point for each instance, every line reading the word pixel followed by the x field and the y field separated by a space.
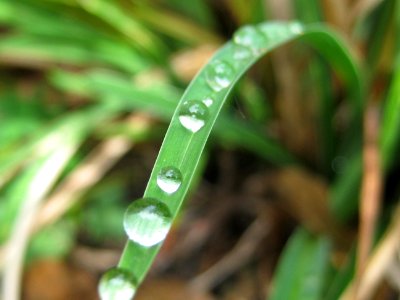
pixel 219 75
pixel 250 37
pixel 117 284
pixel 193 115
pixel 169 179
pixel 147 221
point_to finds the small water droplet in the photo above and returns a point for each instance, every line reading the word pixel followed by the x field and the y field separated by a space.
pixel 249 36
pixel 219 75
pixel 274 31
pixel 147 221
pixel 241 53
pixel 117 284
pixel 296 27
pixel 208 101
pixel 193 115
pixel 169 179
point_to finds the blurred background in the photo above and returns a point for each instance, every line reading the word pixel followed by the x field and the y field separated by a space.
pixel 87 88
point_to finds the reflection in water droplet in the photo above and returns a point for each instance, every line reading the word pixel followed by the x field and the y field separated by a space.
pixel 147 221
pixel 193 115
pixel 117 284
pixel 219 75
pixel 169 179
pixel 249 36
pixel 208 101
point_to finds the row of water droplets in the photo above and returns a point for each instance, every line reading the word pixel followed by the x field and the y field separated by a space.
pixel 148 220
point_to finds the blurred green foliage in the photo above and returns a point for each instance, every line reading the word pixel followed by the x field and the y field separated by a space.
pixel 74 72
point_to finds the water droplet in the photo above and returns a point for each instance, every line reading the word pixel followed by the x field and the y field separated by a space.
pixel 208 101
pixel 147 221
pixel 219 75
pixel 193 115
pixel 117 284
pixel 296 27
pixel 274 31
pixel 169 179
pixel 249 36
pixel 241 53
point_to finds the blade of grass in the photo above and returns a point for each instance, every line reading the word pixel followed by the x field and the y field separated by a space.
pixel 45 34
pixel 389 135
pixel 347 186
pixel 310 12
pixel 182 148
pixel 381 21
pixel 36 182
pixel 115 16
pixel 78 124
pixel 302 269
pixel 44 52
pixel 174 25
pixel 198 10
pixel 342 278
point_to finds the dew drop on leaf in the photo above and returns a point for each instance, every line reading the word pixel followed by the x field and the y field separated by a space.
pixel 296 27
pixel 249 36
pixel 117 284
pixel 219 75
pixel 193 115
pixel 169 179
pixel 147 221
pixel 242 53
pixel 208 101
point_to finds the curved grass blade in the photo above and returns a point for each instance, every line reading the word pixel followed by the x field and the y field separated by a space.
pixel 303 268
pixel 310 12
pixel 182 148
pixel 347 185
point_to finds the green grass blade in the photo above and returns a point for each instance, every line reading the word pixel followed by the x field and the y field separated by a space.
pixel 182 148
pixel 380 20
pixel 303 268
pixel 174 26
pixel 344 192
pixel 47 51
pixel 391 120
pixel 69 131
pixel 115 16
pixel 341 278
pixel 309 11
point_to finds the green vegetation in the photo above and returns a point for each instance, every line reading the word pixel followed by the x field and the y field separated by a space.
pixel 89 89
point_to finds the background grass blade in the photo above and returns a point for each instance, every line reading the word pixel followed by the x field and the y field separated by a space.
pixel 302 271
pixel 182 148
pixel 391 121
